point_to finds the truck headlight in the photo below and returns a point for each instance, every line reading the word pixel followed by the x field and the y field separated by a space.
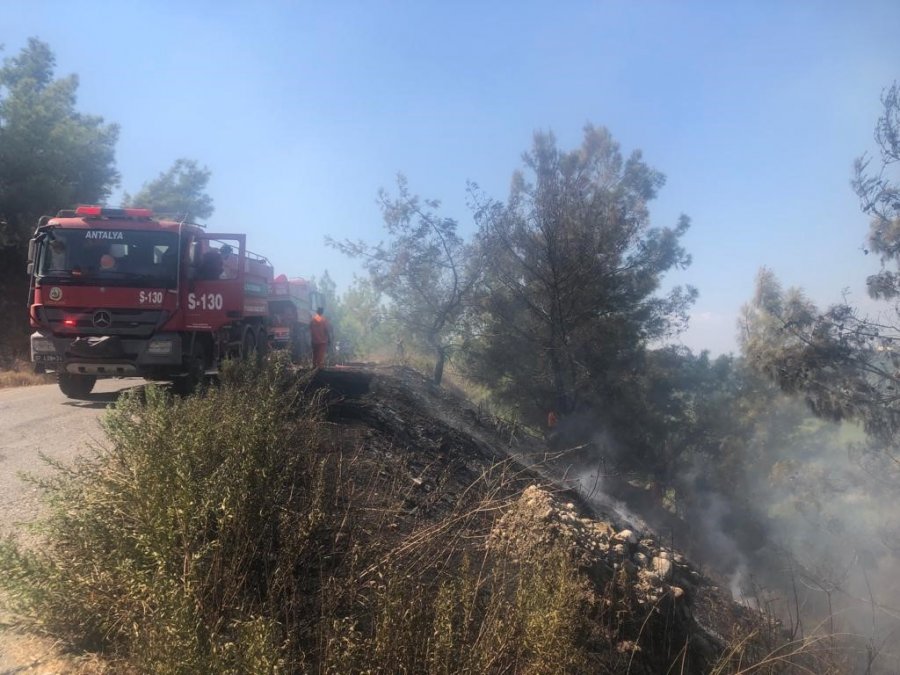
pixel 42 346
pixel 159 347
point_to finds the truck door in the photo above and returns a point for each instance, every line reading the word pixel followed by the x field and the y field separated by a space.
pixel 215 292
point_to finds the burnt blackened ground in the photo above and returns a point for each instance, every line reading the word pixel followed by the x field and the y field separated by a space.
pixel 444 456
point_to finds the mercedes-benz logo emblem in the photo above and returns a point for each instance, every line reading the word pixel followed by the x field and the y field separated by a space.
pixel 102 319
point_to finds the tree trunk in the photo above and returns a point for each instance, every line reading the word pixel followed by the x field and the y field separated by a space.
pixel 563 383
pixel 439 365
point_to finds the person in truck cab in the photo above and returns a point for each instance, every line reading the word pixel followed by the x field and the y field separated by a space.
pixel 211 266
pixel 229 262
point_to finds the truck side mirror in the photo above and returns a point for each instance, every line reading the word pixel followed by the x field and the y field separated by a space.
pixel 32 246
pixel 30 268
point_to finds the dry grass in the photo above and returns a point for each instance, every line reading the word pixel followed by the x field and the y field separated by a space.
pixel 44 656
pixel 824 654
pixel 21 374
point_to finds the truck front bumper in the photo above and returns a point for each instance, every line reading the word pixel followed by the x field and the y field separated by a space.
pixel 107 356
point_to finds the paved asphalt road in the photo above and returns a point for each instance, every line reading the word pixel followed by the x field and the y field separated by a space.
pixel 37 420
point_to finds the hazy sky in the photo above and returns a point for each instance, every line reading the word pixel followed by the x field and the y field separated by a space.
pixel 302 110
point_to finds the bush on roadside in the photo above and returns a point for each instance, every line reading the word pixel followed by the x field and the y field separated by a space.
pixel 178 541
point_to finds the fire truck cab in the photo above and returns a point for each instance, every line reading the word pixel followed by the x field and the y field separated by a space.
pixel 117 293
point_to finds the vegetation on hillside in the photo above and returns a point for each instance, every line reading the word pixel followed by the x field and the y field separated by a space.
pixel 426 270
pixel 567 318
pixel 200 537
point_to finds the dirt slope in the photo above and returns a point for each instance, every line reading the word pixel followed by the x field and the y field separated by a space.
pixel 441 443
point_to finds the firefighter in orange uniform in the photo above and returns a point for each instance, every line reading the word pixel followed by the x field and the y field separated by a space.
pixel 320 336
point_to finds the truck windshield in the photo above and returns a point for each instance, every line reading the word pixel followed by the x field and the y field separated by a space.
pixel 110 257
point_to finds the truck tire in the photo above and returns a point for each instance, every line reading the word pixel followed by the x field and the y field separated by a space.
pixel 185 385
pixel 248 345
pixel 76 386
pixel 296 344
pixel 302 350
pixel 262 341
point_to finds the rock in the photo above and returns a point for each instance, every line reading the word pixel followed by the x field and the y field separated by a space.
pixel 640 559
pixel 662 567
pixel 619 549
pixel 627 646
pixel 677 592
pixel 647 580
pixel 626 536
pixel 602 530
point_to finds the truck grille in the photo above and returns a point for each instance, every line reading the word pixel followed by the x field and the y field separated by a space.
pixel 103 321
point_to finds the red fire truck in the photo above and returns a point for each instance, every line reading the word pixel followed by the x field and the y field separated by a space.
pixel 117 292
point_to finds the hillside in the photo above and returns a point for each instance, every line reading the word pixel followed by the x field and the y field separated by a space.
pixel 439 445
pixel 415 533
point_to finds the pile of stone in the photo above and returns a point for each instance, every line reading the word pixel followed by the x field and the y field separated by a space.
pixel 538 520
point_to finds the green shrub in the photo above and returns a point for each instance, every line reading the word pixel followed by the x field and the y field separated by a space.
pixel 178 541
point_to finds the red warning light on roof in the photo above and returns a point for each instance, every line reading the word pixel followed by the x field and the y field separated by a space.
pixel 99 211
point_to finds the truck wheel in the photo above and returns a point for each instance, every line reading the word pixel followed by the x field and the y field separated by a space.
pixel 262 342
pixel 196 369
pixel 248 346
pixel 76 386
pixel 296 344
